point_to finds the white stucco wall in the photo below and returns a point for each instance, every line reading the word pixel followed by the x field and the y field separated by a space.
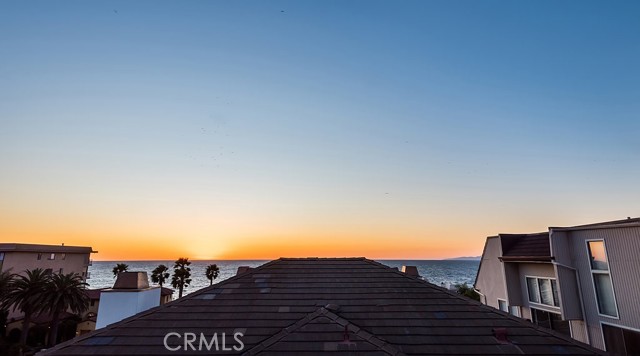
pixel 117 305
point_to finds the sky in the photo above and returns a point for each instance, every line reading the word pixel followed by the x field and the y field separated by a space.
pixel 255 129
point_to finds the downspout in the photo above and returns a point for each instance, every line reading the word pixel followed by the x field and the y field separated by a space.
pixel 483 296
pixel 584 315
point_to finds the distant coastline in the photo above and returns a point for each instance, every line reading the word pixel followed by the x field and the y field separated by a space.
pixel 464 258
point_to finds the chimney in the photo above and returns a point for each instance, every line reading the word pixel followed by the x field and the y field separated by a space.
pixel 130 295
pixel 410 271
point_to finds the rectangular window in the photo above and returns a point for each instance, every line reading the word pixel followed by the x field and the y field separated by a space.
pixel 543 291
pixel 52 256
pixel 514 310
pixel 534 292
pixel 39 256
pixel 61 269
pixel 598 256
pixel 63 256
pixel 602 283
pixel 620 341
pixel 502 305
pixel 1 256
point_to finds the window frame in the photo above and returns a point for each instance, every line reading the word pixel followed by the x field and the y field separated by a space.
pixel 598 271
pixel 556 304
pixel 615 326
pixel 505 303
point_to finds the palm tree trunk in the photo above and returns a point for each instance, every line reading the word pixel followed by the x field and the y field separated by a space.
pixel 25 327
pixel 180 292
pixel 53 333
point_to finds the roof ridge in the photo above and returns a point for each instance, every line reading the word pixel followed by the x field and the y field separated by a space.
pixel 324 312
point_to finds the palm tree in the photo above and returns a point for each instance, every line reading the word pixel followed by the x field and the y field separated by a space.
pixel 120 267
pixel 212 273
pixel 64 292
pixel 6 277
pixel 26 294
pixel 181 275
pixel 160 274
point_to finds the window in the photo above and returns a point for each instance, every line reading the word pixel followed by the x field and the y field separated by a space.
pixel 551 321
pixel 514 310
pixel 1 256
pixel 39 256
pixel 502 305
pixel 620 341
pixel 602 283
pixel 543 291
pixel 48 271
pixel 61 269
pixel 52 256
pixel 63 256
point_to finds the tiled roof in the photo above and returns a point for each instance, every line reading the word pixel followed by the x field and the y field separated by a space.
pixel 311 306
pixel 526 246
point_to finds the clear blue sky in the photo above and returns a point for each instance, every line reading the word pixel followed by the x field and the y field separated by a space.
pixel 328 120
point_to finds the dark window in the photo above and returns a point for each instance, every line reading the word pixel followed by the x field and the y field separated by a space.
pixel 61 269
pixel 63 256
pixel 551 321
pixel 620 341
pixel 39 256
pixel 48 271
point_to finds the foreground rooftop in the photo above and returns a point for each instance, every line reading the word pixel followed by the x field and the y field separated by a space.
pixel 339 305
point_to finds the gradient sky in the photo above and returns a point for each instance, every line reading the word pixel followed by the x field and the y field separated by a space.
pixel 254 129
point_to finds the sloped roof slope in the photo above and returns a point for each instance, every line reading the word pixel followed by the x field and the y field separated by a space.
pixel 311 306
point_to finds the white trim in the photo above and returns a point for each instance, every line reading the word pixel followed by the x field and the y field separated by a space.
pixel 614 325
pixel 593 283
pixel 505 302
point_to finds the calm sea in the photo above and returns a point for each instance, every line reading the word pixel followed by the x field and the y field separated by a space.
pixel 443 273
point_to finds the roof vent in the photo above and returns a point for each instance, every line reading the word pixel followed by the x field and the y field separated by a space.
pixel 501 335
pixel 410 271
pixel 243 269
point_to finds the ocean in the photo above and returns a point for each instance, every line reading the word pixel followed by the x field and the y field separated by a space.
pixel 444 273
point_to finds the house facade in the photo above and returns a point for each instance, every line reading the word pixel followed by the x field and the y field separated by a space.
pixel 582 281
pixel 19 257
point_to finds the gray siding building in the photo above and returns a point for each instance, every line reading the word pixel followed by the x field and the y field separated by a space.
pixel 582 281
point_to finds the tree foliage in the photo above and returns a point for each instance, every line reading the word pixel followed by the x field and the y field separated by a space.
pixel 119 268
pixel 467 291
pixel 64 292
pixel 181 275
pixel 160 274
pixel 212 272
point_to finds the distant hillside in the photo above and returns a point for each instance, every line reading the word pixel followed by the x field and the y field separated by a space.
pixel 465 258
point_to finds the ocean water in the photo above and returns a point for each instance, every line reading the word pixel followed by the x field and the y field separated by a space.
pixel 444 273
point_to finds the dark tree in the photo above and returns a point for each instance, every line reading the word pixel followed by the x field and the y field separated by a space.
pixel 181 275
pixel 212 273
pixel 26 294
pixel 64 292
pixel 160 274
pixel 467 291
pixel 119 268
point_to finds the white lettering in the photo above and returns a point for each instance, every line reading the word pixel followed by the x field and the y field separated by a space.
pixel 237 337
pixel 189 338
pixel 166 346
